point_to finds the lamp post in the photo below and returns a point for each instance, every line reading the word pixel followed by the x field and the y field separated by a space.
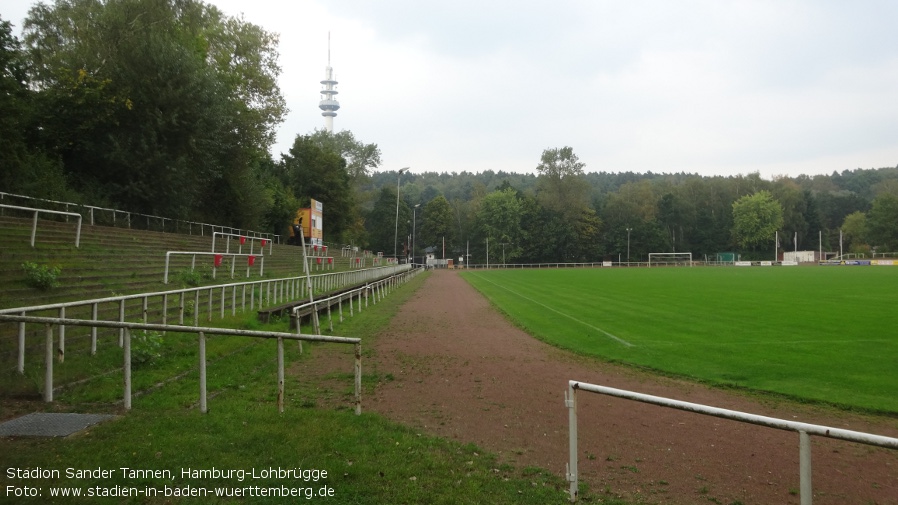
pixel 414 227
pixel 396 235
pixel 628 245
pixel 503 253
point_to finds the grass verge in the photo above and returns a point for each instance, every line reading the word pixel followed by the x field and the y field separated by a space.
pixel 255 450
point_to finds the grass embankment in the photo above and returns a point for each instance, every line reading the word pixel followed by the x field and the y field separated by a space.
pixel 815 334
pixel 367 459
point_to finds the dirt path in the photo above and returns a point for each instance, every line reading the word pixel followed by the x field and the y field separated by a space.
pixel 463 372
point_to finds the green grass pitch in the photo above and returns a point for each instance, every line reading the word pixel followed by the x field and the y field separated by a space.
pixel 824 334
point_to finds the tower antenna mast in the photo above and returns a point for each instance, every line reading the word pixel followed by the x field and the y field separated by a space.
pixel 328 104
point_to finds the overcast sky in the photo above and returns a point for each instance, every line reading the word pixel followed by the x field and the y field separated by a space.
pixel 712 87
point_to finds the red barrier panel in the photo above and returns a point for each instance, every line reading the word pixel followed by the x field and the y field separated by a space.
pixel 319 260
pixel 217 260
pixel 330 261
pixel 264 242
pixel 242 240
pixel 250 260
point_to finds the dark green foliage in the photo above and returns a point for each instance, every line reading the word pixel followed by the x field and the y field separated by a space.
pixel 319 173
pixel 382 224
pixel 41 277
pixel 159 107
pixel 882 223
pixel 436 223
pixel 146 347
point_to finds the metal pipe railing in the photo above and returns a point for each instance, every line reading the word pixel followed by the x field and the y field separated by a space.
pixel 805 430
pixel 201 331
pixel 128 214
pixel 250 259
pixel 243 237
pixel 270 291
pixel 45 211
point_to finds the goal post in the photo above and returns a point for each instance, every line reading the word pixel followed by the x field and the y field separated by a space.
pixel 683 259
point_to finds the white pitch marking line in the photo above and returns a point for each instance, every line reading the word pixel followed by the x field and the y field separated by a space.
pixel 618 339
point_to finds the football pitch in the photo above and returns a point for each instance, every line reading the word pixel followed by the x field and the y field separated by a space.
pixel 825 334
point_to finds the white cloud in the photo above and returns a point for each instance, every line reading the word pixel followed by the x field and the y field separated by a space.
pixel 715 87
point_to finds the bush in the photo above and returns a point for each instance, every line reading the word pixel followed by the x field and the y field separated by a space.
pixel 193 277
pixel 41 277
pixel 146 346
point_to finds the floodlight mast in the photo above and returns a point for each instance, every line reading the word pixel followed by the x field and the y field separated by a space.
pixel 396 235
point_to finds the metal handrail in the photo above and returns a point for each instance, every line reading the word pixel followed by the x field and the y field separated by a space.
pixel 283 287
pixel 202 331
pixel 376 286
pixel 45 211
pixel 805 430
pixel 128 214
pixel 194 254
pixel 228 242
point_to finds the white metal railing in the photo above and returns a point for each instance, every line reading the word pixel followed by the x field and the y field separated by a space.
pixel 379 288
pixel 250 258
pixel 805 430
pixel 243 238
pixel 202 332
pixel 126 215
pixel 45 211
pixel 270 292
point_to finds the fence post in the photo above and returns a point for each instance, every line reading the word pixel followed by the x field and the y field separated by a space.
pixel 281 374
pixel 203 406
pixel 48 366
pixel 299 329
pixel 93 331
pixel 165 276
pixel 570 402
pixel 804 457
pixel 165 308
pixel 78 234
pixel 358 378
pixel 61 335
pixel 121 319
pixel 196 307
pixel 21 364
pixel 127 352
pixel 34 229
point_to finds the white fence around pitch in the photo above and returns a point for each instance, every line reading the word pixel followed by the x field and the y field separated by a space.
pixel 202 332
pixel 270 292
pixel 45 211
pixel 805 430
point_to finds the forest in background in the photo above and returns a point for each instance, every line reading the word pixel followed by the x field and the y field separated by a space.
pixel 169 107
pixel 663 212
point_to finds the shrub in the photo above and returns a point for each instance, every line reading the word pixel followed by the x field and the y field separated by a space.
pixel 41 276
pixel 146 346
pixel 193 277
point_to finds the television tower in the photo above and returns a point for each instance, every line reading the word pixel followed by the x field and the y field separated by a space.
pixel 328 104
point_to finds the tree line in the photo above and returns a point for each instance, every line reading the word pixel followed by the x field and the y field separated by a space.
pixel 169 107
pixel 563 213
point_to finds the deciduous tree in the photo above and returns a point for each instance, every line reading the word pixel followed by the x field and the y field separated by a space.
pixel 756 218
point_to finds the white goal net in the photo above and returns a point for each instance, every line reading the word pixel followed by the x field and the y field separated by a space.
pixel 670 259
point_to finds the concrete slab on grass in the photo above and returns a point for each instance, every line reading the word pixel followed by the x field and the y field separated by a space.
pixel 43 424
